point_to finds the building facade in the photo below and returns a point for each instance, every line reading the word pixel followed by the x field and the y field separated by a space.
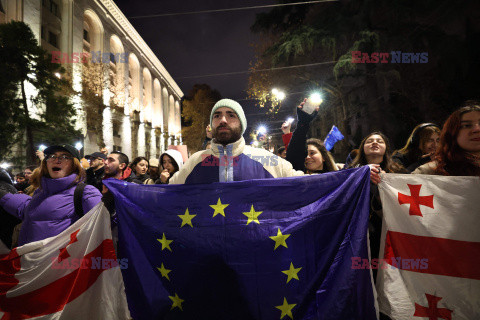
pixel 140 113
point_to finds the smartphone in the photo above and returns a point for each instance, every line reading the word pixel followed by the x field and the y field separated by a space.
pixel 309 106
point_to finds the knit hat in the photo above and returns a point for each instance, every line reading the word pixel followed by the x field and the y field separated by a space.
pixel 235 106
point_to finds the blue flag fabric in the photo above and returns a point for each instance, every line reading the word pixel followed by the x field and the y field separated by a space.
pixel 332 137
pixel 258 249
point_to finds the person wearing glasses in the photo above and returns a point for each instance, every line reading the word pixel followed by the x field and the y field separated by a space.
pixel 51 209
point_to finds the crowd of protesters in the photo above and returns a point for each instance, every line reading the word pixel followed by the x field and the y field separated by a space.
pixel 44 200
pixel 48 198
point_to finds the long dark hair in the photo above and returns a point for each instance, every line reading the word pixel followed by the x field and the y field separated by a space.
pixel 174 162
pixel 417 139
pixel 387 164
pixel 136 161
pixel 329 163
pixel 451 159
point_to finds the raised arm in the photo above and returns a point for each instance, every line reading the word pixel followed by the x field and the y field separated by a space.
pixel 297 150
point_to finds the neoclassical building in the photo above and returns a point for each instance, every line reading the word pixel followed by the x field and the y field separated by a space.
pixel 142 102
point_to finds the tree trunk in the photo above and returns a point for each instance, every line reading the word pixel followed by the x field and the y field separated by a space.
pixel 28 128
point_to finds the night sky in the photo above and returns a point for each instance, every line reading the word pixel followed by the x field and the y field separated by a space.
pixel 202 44
pixel 199 44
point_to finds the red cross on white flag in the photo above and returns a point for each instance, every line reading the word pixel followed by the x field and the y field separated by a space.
pixel 431 243
pixel 65 277
pixel 415 200
pixel 432 311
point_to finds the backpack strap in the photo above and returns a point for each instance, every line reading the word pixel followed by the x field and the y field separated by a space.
pixel 77 199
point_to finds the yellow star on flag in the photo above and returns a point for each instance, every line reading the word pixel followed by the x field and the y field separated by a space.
pixel 186 218
pixel 177 302
pixel 165 243
pixel 252 215
pixel 292 272
pixel 219 208
pixel 164 271
pixel 286 308
pixel 280 239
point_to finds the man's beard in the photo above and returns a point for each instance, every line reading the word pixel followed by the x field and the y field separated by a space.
pixel 111 174
pixel 226 137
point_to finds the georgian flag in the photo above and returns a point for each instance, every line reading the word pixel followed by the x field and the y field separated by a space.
pixel 431 244
pixel 74 275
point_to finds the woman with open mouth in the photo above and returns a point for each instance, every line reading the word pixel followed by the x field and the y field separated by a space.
pixel 374 151
pixel 51 209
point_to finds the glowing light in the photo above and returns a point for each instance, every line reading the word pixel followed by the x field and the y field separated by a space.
pixel 5 165
pixel 262 130
pixel 316 98
pixel 58 75
pixel 280 95
pixel 78 146
pixel 290 120
pixel 42 147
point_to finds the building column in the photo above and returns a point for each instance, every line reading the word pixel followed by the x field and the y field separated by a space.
pixel 178 120
pixel 127 136
pixel 141 136
pixel 153 143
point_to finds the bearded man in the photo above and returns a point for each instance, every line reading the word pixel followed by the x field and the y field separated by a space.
pixel 229 159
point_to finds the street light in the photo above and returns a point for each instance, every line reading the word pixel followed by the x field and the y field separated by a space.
pixel 280 95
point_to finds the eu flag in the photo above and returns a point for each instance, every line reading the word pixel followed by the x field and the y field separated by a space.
pixel 258 249
pixel 332 137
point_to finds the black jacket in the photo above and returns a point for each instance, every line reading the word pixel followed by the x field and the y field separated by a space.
pixel 95 178
pixel 7 221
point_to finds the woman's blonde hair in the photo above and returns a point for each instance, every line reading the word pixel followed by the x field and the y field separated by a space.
pixel 43 172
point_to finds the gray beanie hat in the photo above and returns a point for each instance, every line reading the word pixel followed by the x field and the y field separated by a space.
pixel 235 106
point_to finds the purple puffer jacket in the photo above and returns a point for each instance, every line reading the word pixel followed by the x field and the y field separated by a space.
pixel 50 210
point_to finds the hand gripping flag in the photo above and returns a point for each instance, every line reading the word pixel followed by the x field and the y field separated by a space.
pixel 431 247
pixel 260 249
pixel 74 275
pixel 332 137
